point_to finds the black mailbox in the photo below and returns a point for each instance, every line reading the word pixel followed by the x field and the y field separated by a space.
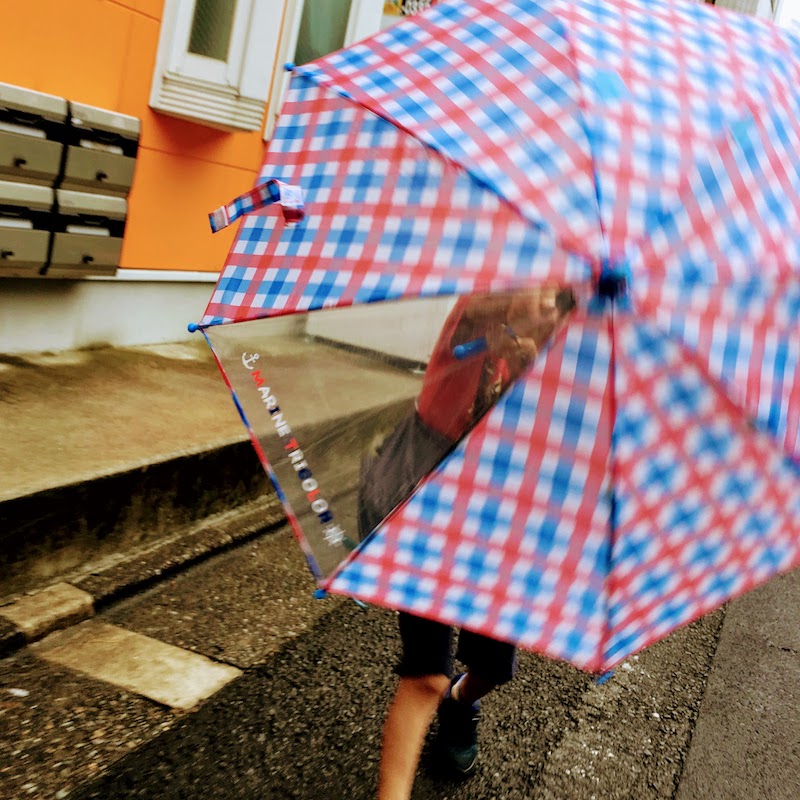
pixel 101 152
pixel 32 131
pixel 88 234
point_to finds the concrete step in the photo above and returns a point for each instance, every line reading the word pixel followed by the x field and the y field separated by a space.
pixel 52 532
pixel 124 466
pixel 112 450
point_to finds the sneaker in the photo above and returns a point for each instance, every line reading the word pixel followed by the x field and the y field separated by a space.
pixel 457 739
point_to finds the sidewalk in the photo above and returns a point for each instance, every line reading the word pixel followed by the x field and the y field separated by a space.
pixel 119 467
pixel 119 464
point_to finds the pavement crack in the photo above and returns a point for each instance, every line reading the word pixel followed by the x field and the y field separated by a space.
pixel 784 649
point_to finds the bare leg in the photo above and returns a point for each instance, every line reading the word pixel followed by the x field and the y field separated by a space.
pixel 471 688
pixel 410 714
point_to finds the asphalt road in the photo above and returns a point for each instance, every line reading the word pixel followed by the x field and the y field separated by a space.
pixel 304 720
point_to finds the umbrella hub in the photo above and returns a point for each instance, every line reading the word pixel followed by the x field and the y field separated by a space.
pixel 611 286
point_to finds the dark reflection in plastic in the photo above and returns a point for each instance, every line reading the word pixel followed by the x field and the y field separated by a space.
pixel 350 408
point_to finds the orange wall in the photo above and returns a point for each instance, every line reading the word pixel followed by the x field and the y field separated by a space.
pixel 103 52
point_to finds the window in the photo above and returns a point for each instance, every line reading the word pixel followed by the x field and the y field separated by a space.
pixel 212 25
pixel 216 60
pixel 220 62
pixel 316 28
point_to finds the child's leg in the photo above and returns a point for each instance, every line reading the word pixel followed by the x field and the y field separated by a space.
pixel 424 669
pixel 489 663
pixel 409 718
pixel 470 688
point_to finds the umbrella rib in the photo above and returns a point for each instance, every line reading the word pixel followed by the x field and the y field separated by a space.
pixel 583 120
pixel 720 388
pixel 612 471
pixel 364 101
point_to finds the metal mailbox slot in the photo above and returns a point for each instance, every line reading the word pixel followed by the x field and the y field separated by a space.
pixel 32 131
pixel 25 220
pixel 88 238
pixel 101 153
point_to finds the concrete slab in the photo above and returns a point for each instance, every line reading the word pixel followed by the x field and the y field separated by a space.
pixel 80 415
pixel 59 728
pixel 264 590
pixel 747 741
pixel 112 451
pixel 161 672
pixel 74 416
pixel 57 606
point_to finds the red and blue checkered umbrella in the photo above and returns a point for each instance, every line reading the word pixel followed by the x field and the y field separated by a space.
pixel 645 468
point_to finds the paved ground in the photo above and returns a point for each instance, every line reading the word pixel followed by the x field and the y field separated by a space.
pixel 709 714
pixel 304 719
pixel 72 416
pixel 748 736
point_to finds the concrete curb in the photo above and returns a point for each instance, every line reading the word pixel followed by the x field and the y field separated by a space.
pixel 49 533
pixel 29 618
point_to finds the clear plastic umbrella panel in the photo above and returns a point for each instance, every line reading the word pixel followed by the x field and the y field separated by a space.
pixel 513 317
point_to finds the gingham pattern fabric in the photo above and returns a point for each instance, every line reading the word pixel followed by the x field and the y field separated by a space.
pixel 386 219
pixel 509 536
pixel 256 198
pixel 515 534
pixel 647 469
pixel 746 336
pixel 706 507
pixel 659 133
pixel 738 207
pixel 665 82
pixel 492 87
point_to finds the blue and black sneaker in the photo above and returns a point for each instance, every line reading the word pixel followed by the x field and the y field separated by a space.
pixel 457 738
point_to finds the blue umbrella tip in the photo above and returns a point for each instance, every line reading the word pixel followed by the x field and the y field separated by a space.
pixel 289 66
pixel 606 676
pixel 320 594
pixel 192 327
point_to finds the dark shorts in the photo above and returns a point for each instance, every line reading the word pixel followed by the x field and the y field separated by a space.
pixel 428 650
pixel 407 455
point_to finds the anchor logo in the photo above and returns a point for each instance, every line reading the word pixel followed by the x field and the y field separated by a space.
pixel 248 361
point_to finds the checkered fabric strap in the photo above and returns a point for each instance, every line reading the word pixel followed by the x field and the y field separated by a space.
pixel 273 191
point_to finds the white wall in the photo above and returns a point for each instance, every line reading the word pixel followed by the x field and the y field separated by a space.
pixel 130 309
pixel 406 329
pixel 52 315
pixel 787 12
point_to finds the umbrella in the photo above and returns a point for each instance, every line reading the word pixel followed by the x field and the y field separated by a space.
pixel 643 156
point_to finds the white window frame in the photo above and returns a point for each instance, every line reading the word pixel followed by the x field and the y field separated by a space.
pixel 231 95
pixel 210 69
pixel 364 20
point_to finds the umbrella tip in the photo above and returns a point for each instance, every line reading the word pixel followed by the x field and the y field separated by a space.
pixel 192 327
pixel 320 594
pixel 289 66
